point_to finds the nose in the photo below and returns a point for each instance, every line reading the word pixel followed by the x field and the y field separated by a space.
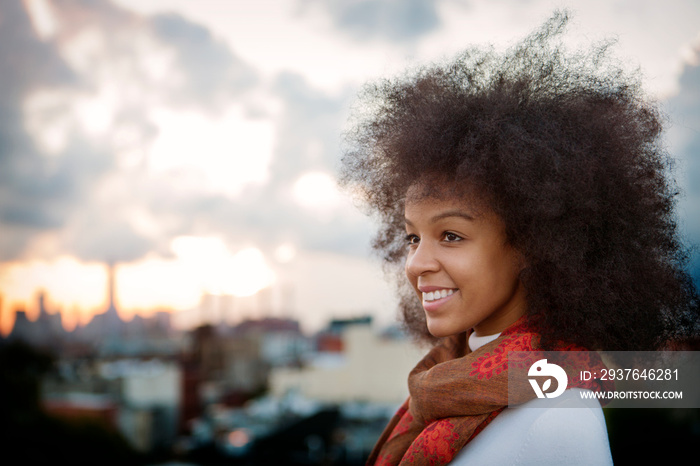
pixel 422 260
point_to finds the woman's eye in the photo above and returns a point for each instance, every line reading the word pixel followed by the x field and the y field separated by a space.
pixel 451 237
pixel 412 239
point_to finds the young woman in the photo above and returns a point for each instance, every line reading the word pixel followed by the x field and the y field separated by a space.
pixel 525 204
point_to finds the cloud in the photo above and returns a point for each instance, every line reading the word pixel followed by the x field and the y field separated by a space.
pixel 93 165
pixel 34 191
pixel 77 113
pixel 308 141
pixel 211 71
pixel 394 20
pixel 684 111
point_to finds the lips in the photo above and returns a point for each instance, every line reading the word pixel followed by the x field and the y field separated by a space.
pixel 435 296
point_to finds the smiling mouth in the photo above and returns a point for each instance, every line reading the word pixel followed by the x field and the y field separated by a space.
pixel 436 295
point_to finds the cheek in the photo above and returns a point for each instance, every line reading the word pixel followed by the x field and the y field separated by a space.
pixel 503 262
pixel 507 278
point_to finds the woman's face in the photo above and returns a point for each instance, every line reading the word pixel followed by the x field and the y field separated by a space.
pixel 463 270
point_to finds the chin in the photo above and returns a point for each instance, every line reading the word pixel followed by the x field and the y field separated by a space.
pixel 439 331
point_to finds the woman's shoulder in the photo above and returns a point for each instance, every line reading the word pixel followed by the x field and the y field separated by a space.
pixel 569 430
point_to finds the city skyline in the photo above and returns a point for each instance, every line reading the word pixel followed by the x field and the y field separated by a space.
pixel 212 309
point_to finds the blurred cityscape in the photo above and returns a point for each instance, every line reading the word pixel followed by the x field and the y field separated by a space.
pixel 258 392
pixel 141 392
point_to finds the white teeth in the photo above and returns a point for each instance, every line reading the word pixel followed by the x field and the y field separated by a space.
pixel 439 294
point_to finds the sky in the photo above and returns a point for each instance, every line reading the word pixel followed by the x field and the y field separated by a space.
pixel 195 145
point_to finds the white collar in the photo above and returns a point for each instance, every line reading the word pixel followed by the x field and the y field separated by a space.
pixel 476 342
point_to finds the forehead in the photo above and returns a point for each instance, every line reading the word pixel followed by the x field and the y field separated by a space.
pixel 440 196
pixel 432 210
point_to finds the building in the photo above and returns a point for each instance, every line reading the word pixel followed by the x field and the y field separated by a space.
pixel 45 332
pixel 371 368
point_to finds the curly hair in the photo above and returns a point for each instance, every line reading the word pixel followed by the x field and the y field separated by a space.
pixel 566 149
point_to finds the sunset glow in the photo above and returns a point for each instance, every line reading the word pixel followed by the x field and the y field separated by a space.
pixel 75 285
pixel 219 271
pixel 203 265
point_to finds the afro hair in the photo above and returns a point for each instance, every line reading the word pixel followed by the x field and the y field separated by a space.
pixel 566 148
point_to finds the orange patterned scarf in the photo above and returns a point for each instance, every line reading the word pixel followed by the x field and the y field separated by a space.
pixel 454 394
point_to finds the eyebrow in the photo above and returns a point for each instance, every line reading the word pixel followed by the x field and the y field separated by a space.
pixel 447 214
